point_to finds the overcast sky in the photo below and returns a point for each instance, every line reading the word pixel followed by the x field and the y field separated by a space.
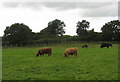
pixel 37 14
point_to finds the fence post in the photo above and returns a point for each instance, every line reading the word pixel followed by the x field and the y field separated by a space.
pixel 5 45
pixel 44 45
pixel 16 45
pixel 10 45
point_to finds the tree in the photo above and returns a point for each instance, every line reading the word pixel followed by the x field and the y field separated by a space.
pixel 55 28
pixel 19 34
pixel 111 31
pixel 82 27
pixel 45 32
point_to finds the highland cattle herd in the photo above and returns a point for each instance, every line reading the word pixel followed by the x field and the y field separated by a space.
pixel 68 51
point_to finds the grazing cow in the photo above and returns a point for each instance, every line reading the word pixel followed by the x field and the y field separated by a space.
pixel 70 51
pixel 43 51
pixel 84 46
pixel 106 45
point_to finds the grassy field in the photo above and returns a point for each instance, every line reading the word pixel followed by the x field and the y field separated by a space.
pixel 92 63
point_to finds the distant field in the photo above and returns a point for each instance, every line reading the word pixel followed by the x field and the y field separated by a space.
pixel 92 63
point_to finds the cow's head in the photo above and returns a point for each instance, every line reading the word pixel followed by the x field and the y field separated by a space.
pixel 37 54
pixel 65 54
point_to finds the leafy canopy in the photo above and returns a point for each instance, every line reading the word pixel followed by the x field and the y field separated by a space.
pixel 18 33
pixel 82 27
pixel 55 28
pixel 111 31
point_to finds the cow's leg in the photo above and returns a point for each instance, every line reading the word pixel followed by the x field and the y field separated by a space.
pixel 41 54
pixel 50 53
pixel 67 55
pixel 76 54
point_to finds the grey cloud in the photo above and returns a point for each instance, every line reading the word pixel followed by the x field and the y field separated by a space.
pixel 61 5
pixel 73 5
pixel 89 8
pixel 108 10
pixel 10 4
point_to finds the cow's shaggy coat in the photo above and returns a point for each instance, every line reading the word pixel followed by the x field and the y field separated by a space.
pixel 43 51
pixel 71 51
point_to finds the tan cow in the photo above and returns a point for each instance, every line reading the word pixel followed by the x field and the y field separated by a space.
pixel 71 51
pixel 43 51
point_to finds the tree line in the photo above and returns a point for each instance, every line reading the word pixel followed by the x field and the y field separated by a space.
pixel 20 34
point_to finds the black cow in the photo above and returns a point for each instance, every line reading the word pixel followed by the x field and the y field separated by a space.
pixel 84 46
pixel 106 45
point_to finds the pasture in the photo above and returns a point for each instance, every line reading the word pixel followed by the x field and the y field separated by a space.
pixel 92 63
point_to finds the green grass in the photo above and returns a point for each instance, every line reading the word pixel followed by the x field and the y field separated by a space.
pixel 92 63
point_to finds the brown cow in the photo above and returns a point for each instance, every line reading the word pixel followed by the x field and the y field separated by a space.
pixel 70 51
pixel 43 51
